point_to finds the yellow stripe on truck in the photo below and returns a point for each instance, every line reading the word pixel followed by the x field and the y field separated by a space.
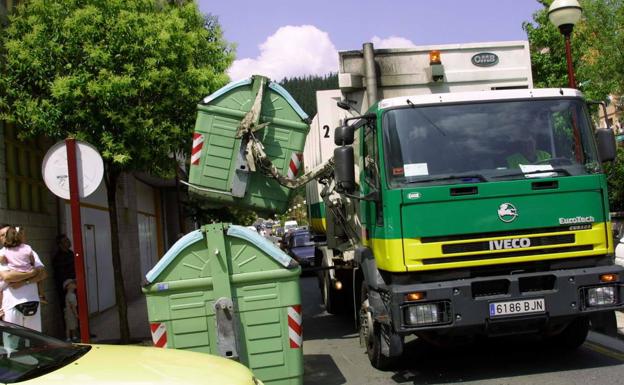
pixel 318 225
pixel 389 252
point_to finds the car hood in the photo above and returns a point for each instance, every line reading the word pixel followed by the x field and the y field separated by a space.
pixel 303 251
pixel 111 364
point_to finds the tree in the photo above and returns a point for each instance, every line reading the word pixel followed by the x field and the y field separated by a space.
pixel 303 89
pixel 123 75
pixel 597 41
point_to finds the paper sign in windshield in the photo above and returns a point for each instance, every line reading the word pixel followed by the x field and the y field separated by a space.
pixel 416 169
pixel 530 170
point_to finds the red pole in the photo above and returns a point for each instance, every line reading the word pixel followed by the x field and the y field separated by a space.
pixel 571 79
pixel 74 200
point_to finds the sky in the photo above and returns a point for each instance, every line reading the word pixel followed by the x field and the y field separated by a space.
pixel 280 38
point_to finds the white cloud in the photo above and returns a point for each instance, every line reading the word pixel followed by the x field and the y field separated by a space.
pixel 392 42
pixel 290 51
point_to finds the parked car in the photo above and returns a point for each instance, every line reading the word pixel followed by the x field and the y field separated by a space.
pixel 300 246
pixel 290 226
pixel 30 357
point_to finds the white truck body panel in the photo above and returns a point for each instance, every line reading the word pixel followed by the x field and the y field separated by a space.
pixel 319 146
pixel 406 71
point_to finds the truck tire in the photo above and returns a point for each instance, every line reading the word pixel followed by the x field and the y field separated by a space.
pixel 333 299
pixel 573 335
pixel 371 334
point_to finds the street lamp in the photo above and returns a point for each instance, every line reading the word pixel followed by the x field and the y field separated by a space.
pixel 564 14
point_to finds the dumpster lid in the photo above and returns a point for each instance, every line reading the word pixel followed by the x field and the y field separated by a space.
pixel 272 85
pixel 233 230
pixel 173 252
pixel 263 244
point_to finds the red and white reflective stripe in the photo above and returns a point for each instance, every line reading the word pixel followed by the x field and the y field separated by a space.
pixel 295 164
pixel 295 331
pixel 159 334
pixel 198 143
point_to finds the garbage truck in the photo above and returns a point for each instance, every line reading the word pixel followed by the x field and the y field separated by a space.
pixel 451 198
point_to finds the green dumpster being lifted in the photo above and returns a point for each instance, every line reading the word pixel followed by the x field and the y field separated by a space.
pixel 228 121
pixel 226 290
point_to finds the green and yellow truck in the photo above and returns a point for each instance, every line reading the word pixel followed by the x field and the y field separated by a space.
pixel 449 198
pixel 463 201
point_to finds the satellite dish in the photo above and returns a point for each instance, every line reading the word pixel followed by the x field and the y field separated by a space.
pixel 89 165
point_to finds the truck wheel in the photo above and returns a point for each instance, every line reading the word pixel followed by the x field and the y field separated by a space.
pixel 573 335
pixel 371 334
pixel 332 298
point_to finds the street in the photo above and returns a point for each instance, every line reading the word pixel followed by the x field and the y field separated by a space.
pixel 332 356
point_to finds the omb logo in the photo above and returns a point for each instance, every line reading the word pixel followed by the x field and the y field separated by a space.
pixel 485 59
pixel 507 212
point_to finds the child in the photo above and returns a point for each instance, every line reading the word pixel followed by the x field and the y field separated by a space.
pixel 18 256
pixel 71 310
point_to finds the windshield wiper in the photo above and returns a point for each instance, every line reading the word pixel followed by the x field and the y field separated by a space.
pixel 534 172
pixel 466 178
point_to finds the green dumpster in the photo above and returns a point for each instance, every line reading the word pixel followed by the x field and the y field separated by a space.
pixel 219 169
pixel 226 290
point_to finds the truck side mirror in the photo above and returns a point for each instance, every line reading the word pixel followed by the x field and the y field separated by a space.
pixel 344 135
pixel 344 169
pixel 605 138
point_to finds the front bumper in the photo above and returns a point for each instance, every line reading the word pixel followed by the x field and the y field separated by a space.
pixel 466 302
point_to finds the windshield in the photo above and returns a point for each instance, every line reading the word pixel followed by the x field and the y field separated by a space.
pixel 478 142
pixel 302 239
pixel 27 354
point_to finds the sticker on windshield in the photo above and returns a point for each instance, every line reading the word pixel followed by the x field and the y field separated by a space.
pixel 530 169
pixel 416 169
pixel 397 171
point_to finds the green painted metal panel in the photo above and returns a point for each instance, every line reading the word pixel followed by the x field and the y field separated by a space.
pixel 216 126
pixel 436 212
pixel 217 262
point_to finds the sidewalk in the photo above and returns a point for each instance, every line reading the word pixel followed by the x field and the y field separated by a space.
pixel 105 325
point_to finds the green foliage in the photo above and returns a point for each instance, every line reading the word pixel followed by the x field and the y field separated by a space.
pixel 597 43
pixel 303 89
pixel 123 75
pixel 204 212
pixel 615 173
pixel 547 50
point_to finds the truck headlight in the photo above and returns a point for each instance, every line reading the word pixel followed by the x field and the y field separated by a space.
pixel 600 296
pixel 427 313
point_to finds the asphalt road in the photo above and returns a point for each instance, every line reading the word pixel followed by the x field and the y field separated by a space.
pixel 332 356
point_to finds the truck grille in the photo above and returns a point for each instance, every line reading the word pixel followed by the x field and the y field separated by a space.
pixel 523 252
pixel 462 237
pixel 487 245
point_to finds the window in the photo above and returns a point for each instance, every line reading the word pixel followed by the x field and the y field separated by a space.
pixel 25 188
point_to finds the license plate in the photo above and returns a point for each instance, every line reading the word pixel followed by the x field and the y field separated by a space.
pixel 525 306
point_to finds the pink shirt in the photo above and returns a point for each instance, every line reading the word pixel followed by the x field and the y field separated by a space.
pixel 19 258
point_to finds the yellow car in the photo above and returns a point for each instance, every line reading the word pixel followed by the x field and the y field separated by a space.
pixel 29 357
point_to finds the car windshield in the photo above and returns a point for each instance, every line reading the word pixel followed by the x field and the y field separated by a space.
pixel 478 142
pixel 300 240
pixel 28 354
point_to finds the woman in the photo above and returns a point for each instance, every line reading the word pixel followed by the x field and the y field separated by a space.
pixel 20 300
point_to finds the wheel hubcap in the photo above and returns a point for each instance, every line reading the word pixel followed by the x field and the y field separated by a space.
pixel 366 325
